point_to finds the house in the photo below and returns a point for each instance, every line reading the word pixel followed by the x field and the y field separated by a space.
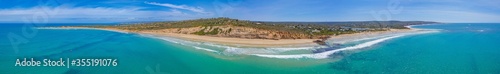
pixel 315 30
pixel 359 29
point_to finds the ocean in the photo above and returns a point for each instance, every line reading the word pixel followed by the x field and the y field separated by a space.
pixel 457 48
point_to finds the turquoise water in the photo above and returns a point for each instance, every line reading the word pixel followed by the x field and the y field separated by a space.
pixel 457 48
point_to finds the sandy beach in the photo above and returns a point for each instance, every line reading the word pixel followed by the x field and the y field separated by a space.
pixel 344 38
pixel 239 41
pixel 282 42
pixel 267 42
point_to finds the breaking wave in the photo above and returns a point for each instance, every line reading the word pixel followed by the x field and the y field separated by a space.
pixel 230 49
pixel 327 53
pixel 206 49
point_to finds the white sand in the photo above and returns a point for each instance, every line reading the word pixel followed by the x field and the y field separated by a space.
pixel 267 42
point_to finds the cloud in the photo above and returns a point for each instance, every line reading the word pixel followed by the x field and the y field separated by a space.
pixel 86 14
pixel 459 16
pixel 184 7
pixel 448 11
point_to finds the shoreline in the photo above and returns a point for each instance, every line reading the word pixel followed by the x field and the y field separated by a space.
pixel 346 38
pixel 242 42
pixel 239 42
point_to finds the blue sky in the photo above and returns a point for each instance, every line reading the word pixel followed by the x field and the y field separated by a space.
pixel 110 11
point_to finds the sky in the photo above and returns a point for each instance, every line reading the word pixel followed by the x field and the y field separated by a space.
pixel 116 11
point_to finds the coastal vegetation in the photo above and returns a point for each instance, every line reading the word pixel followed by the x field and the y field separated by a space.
pixel 227 27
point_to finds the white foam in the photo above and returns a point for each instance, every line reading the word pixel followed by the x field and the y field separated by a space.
pixel 412 27
pixel 227 49
pixel 215 45
pixel 480 30
pixel 369 36
pixel 283 49
pixel 206 49
pixel 231 50
pixel 327 53
pixel 251 50
pixel 323 55
pixel 343 41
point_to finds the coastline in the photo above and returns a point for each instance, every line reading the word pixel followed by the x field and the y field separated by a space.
pixel 241 42
pixel 272 48
pixel 378 36
pixel 345 38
